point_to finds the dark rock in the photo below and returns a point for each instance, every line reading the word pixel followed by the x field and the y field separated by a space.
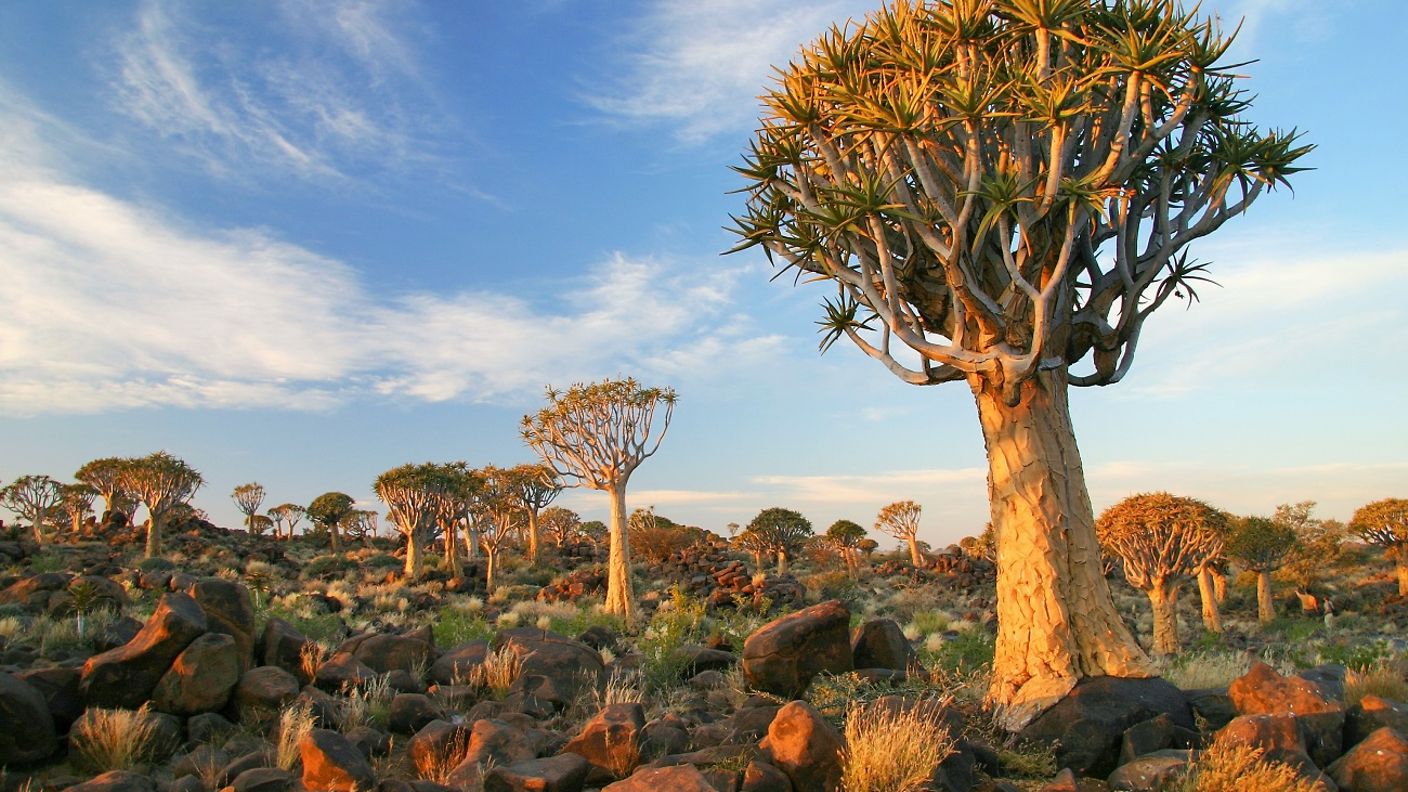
pixel 117 634
pixel 202 677
pixel 563 773
pixel 343 671
pixel 116 781
pixel 454 666
pixel 126 676
pixel 1212 705
pixel 694 659
pixel 1368 716
pixel 1090 721
pixel 262 692
pixel 1280 736
pixel 763 777
pixel 229 610
pixel 804 747
pixel 207 726
pixel 384 652
pixel 436 742
pixel 370 742
pixel 782 656
pixel 332 762
pixel 1151 772
pixel 283 645
pixel 491 742
pixel 573 667
pixel 27 733
pixel 60 688
pixel 1155 734
pixel 411 711
pixel 264 779
pixel 1378 764
pixel 881 644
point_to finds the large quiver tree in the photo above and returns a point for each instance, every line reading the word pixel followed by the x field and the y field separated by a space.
pixel 410 494
pixel 1385 523
pixel 901 520
pixel 596 435
pixel 999 190
pixel 163 483
pixel 33 498
pixel 105 476
pixel 1261 545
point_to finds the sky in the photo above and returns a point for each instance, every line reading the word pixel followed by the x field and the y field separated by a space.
pixel 301 242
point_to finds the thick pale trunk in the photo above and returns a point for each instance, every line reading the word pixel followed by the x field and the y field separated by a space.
pixel 1219 585
pixel 1207 595
pixel 1265 606
pixel 533 536
pixel 781 562
pixel 334 537
pixel 1164 597
pixel 619 597
pixel 1402 563
pixel 851 567
pixel 154 526
pixel 471 542
pixel 77 524
pixel 491 559
pixel 413 556
pixel 1057 622
pixel 915 557
pixel 452 553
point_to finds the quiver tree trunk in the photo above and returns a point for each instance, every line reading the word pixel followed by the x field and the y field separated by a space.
pixel 491 568
pixel 1219 584
pixel 1400 560
pixel 1265 604
pixel 915 557
pixel 1057 622
pixel 534 537
pixel 334 538
pixel 619 597
pixel 781 562
pixel 452 552
pixel 1163 596
pixel 1207 595
pixel 154 526
pixel 413 556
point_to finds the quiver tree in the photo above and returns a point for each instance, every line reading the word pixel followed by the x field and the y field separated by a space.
pixel 409 492
pixel 76 503
pixel 33 498
pixel 1000 190
pixel 1318 546
pixel 1385 523
pixel 499 512
pixel 247 498
pixel 845 536
pixel 538 486
pixel 359 525
pixel 754 544
pixel 561 524
pixel 105 476
pixel 454 489
pixel 286 517
pixel 901 520
pixel 163 484
pixel 1261 545
pixel 596 435
pixel 327 512
pixel 782 533
pixel 1162 540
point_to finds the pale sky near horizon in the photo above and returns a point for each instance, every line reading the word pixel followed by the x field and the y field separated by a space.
pixel 301 241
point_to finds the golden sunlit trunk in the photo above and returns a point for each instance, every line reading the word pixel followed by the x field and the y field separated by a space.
pixel 1056 620
pixel 491 564
pixel 1207 594
pixel 1265 605
pixel 915 557
pixel 1163 596
pixel 334 538
pixel 1219 584
pixel 413 556
pixel 619 597
pixel 154 526
pixel 781 562
pixel 452 552
pixel 533 537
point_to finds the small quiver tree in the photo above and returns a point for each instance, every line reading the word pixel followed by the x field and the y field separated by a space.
pixel 247 498
pixel 562 525
pixel 901 520
pixel 782 532
pixel 327 511
pixel 1385 523
pixel 596 435
pixel 105 476
pixel 845 537
pixel 162 483
pixel 360 525
pixel 1318 547
pixel 1162 539
pixel 409 492
pixel 33 498
pixel 538 485
pixel 1261 545
pixel 76 504
pixel 499 512
pixel 286 517
pixel 1002 192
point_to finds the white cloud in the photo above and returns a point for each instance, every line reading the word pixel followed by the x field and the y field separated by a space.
pixel 872 488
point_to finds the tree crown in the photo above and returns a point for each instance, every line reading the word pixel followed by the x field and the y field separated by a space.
pixel 1260 543
pixel 899 519
pixel 160 480
pixel 598 433
pixel 1161 536
pixel 329 508
pixel 1383 522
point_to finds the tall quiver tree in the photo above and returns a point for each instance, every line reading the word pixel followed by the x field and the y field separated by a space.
pixel 846 536
pixel 781 533
pixel 76 503
pixel 410 495
pixel 286 517
pixel 1385 523
pixel 538 486
pixel 1007 188
pixel 1163 540
pixel 161 482
pixel 33 498
pixel 248 497
pixel 105 476
pixel 328 510
pixel 454 487
pixel 1261 545
pixel 596 435
pixel 499 512
pixel 901 520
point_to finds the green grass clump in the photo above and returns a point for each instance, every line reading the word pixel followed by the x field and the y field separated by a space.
pixel 455 626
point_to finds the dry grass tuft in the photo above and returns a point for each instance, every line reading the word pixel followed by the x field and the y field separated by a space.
pixel 620 689
pixel 114 739
pixel 1384 679
pixel 367 705
pixel 436 765
pixel 892 750
pixel 295 721
pixel 1193 671
pixel 497 673
pixel 311 658
pixel 1226 767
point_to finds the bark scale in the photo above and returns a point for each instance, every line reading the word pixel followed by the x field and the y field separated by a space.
pixel 1163 596
pixel 1207 594
pixel 1057 622
pixel 915 557
pixel 619 597
pixel 1265 606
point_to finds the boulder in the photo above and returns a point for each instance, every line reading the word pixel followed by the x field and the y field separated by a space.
pixel 201 678
pixel 282 645
pixel 492 742
pixel 680 778
pixel 1155 734
pixel 610 742
pixel 694 659
pixel 1089 723
pixel 332 762
pixel 804 747
pixel 59 687
pixel 572 666
pixel 454 665
pixel 562 773
pixel 436 742
pixel 264 779
pixel 1262 691
pixel 342 671
pixel 1368 716
pixel 1151 772
pixel 116 781
pixel 229 610
pixel 386 652
pixel 763 777
pixel 1378 764
pixel 126 676
pixel 411 711
pixel 27 732
pixel 880 643
pixel 782 656
pixel 1280 736
pixel 262 692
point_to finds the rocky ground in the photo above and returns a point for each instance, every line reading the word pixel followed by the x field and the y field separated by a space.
pixel 243 663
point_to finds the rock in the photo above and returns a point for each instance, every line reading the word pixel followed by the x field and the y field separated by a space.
pixel 751 722
pixel 207 727
pixel 27 733
pixel 782 656
pixel 563 773
pixel 332 762
pixel 163 732
pixel 1090 721
pixel 34 592
pixel 492 742
pixel 610 742
pixel 1262 691
pixel 695 659
pixel 229 610
pixel 804 747
pixel 1378 764
pixel 252 760
pixel 370 741
pixel 263 779
pixel 1212 705
pixel 436 742
pixel 343 671
pixel 1066 781
pixel 1151 772
pixel 763 777
pixel 200 760
pixel 262 692
pixel 411 711
pixel 880 643
pixel 1152 735
pixel 117 634
pixel 573 667
pixel 383 652
pixel 202 677
pixel 1281 736
pixel 1368 716
pixel 108 593
pixel 60 689
pixel 680 778
pixel 282 645
pixel 116 781
pixel 126 676
pixel 454 666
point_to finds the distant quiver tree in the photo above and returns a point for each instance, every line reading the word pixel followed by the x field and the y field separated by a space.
pixel 33 498
pixel 105 476
pixel 162 483
pixel 1000 190
pixel 328 510
pixel 1385 523
pixel 247 498
pixel 1261 545
pixel 596 435
pixel 901 520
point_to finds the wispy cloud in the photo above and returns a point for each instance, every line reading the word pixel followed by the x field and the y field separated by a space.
pixel 872 488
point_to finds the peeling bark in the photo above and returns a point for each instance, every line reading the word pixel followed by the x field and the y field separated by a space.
pixel 1057 622
pixel 1265 605
pixel 1163 596
pixel 1207 594
pixel 619 596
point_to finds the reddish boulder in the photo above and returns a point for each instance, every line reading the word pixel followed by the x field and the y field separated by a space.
pixel 332 762
pixel 563 773
pixel 881 644
pixel 1262 691
pixel 1378 764
pixel 202 677
pixel 386 652
pixel 782 656
pixel 126 676
pixel 610 742
pixel 680 778
pixel 804 747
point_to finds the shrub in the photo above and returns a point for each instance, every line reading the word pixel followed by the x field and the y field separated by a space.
pixel 1385 679
pixel 1226 767
pixel 892 750
pixel 295 721
pixel 114 739
pixel 455 626
pixel 497 673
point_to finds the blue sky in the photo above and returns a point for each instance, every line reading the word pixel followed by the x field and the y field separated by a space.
pixel 302 242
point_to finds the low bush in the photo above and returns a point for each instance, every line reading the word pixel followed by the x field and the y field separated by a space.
pixel 1225 767
pixel 890 749
pixel 113 739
